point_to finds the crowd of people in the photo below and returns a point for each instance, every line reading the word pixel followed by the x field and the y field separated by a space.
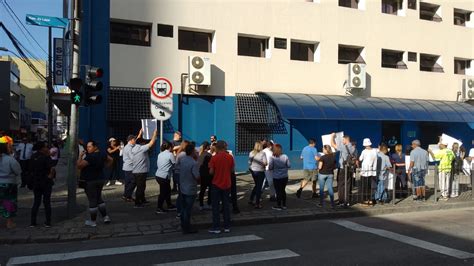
pixel 207 173
pixel 28 165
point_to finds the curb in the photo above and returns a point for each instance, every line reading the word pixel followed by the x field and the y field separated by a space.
pixel 270 217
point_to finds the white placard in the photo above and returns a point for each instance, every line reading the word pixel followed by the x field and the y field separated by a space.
pixel 407 162
pixel 434 148
pixel 450 140
pixel 326 139
pixel 148 126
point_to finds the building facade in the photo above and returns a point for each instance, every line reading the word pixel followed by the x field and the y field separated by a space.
pixel 10 96
pixel 282 69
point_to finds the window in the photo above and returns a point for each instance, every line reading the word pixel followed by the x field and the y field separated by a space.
pixel 350 54
pixel 128 33
pixel 430 12
pixel 194 41
pixel 165 30
pixel 280 43
pixel 391 6
pixel 14 78
pixel 349 3
pixel 430 63
pixel 462 17
pixel 412 57
pixel 252 46
pixel 462 66
pixel 302 51
pixel 412 4
pixel 393 59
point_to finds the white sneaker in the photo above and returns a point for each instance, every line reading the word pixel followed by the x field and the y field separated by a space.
pixel 90 223
pixel 108 183
pixel 118 183
pixel 107 219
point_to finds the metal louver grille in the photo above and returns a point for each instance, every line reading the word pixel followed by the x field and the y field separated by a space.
pixel 256 119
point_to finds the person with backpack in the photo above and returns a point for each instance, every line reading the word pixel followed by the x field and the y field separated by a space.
pixel 457 164
pixel 41 181
pixel 347 160
pixel 383 169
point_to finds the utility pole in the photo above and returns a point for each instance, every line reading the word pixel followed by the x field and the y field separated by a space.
pixel 49 86
pixel 73 134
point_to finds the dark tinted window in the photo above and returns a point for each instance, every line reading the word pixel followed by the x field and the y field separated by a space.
pixel 347 54
pixel 280 43
pixel 165 30
pixel 194 41
pixel 133 34
pixel 249 46
pixel 302 51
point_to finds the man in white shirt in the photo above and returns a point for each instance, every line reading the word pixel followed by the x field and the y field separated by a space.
pixel 24 152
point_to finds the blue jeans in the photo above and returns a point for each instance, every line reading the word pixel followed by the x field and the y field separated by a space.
pixel 187 202
pixel 381 193
pixel 258 178
pixel 220 195
pixel 323 180
pixel 129 184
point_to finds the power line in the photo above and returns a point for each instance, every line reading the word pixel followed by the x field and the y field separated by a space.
pixel 23 56
pixel 31 35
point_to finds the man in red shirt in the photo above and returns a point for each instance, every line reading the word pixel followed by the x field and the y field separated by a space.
pixel 221 167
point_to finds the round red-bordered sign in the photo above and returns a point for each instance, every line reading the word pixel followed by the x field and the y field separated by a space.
pixel 161 96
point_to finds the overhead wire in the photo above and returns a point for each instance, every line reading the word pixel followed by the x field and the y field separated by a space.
pixel 22 25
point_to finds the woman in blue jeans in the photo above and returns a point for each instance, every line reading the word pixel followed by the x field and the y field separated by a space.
pixel 327 164
pixel 257 163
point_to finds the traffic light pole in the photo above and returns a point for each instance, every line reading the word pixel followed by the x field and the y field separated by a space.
pixel 73 134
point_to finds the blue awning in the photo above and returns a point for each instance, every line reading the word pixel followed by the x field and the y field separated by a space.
pixel 333 107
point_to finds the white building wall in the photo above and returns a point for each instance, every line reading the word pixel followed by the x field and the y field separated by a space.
pixel 324 22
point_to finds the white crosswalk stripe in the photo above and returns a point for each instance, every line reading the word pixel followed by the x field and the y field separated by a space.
pixel 129 249
pixel 406 239
pixel 239 258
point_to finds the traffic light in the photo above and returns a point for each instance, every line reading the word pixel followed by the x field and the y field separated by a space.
pixel 93 85
pixel 75 85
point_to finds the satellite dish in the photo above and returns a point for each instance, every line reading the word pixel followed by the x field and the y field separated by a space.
pixel 356 81
pixel 197 62
pixel 197 77
pixel 356 69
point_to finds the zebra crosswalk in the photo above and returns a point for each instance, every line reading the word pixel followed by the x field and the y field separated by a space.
pixel 203 243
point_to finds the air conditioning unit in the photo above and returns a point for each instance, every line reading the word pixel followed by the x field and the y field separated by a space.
pixel 356 76
pixel 199 70
pixel 467 89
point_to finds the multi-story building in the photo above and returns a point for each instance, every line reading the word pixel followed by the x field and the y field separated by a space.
pixel 25 116
pixel 286 70
pixel 9 96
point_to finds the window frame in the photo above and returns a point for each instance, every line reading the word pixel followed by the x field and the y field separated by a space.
pixel 298 55
pixel 435 67
pixel 196 34
pixel 389 54
pixel 138 26
pixel 360 58
pixel 252 40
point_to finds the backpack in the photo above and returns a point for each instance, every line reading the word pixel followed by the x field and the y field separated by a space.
pixel 351 160
pixel 457 165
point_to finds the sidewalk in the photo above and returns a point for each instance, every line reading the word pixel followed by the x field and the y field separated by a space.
pixel 127 221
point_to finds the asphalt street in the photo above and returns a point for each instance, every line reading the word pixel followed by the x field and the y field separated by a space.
pixel 424 238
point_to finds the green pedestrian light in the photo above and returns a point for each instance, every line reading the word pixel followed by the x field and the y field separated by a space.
pixel 76 98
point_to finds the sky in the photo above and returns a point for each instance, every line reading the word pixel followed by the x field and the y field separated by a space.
pixel 51 8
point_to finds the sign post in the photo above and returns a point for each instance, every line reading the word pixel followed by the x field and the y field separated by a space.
pixel 161 101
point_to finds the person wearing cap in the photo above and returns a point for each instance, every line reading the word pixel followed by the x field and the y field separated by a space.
pixel 24 151
pixel 141 167
pixel 368 171
pixel 445 157
pixel 127 167
pixel 417 169
pixel 114 151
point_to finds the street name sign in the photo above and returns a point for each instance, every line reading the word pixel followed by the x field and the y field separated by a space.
pixel 46 21
pixel 161 98
pixel 58 61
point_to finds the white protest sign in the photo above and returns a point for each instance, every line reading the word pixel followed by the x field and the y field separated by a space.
pixel 407 162
pixel 434 148
pixel 450 140
pixel 326 139
pixel 161 98
pixel 148 126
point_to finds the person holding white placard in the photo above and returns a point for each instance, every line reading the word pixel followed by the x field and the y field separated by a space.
pixel 445 157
